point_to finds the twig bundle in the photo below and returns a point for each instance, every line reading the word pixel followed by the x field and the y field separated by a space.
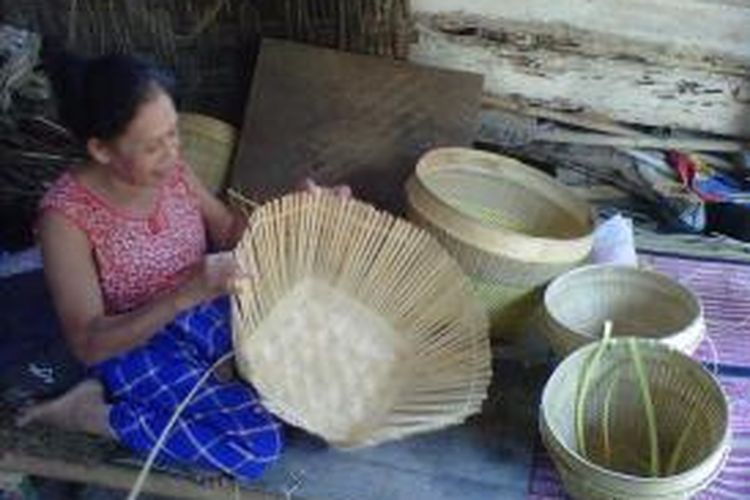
pixel 380 27
pixel 356 325
pixel 34 151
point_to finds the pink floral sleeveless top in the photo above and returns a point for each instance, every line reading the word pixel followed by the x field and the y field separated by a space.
pixel 138 257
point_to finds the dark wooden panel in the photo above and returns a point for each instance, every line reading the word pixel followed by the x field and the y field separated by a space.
pixel 341 117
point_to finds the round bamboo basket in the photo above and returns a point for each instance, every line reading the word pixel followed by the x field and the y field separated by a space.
pixel 511 227
pixel 355 325
pixel 207 146
pixel 639 302
pixel 623 459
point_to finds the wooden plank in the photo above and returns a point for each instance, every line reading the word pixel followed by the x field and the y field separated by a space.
pixel 535 35
pixel 626 89
pixel 599 193
pixel 68 456
pixel 683 144
pixel 580 119
pixel 123 478
pixel 341 117
pixel 714 27
pixel 495 128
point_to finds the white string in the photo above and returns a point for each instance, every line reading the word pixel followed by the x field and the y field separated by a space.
pixel 296 484
pixel 714 353
pixel 72 22
pixel 138 486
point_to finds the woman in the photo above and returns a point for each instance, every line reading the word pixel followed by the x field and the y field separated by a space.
pixel 124 239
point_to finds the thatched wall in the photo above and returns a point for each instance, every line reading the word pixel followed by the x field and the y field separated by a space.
pixel 210 45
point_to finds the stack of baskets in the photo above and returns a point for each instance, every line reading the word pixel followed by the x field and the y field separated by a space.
pixel 207 146
pixel 634 418
pixel 511 227
pixel 627 417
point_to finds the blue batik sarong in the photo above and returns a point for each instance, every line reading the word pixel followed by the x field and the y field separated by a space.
pixel 223 428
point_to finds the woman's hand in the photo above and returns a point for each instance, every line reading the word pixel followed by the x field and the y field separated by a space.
pixel 341 190
pixel 215 275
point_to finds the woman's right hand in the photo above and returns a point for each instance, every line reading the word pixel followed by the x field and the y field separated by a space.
pixel 341 190
pixel 215 275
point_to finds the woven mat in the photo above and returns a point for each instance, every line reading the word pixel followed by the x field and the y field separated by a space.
pixel 724 289
pixel 708 247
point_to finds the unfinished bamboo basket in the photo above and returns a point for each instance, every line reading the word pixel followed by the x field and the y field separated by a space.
pixel 691 435
pixel 640 302
pixel 355 325
pixel 207 146
pixel 511 227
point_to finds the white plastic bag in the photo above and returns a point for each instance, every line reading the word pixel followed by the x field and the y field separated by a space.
pixel 614 242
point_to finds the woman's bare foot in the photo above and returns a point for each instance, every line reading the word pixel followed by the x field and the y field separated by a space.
pixel 80 409
pixel 217 481
pixel 225 371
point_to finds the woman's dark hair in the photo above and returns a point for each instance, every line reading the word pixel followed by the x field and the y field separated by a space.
pixel 99 97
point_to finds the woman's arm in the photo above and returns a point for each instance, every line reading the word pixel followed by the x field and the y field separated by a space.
pixel 225 225
pixel 74 286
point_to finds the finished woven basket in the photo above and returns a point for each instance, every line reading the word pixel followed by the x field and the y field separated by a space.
pixel 355 325
pixel 512 228
pixel 207 146
pixel 641 303
pixel 619 457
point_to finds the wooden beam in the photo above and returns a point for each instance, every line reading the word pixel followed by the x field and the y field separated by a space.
pixel 123 478
pixel 709 27
pixel 589 139
pixel 585 120
pixel 624 89
pixel 688 144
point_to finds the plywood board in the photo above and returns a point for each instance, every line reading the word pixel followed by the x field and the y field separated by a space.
pixel 347 118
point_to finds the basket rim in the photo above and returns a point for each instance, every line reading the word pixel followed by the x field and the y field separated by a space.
pixel 216 129
pixel 496 240
pixel 697 320
pixel 722 446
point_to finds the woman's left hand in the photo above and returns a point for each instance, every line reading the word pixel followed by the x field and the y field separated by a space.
pixel 341 190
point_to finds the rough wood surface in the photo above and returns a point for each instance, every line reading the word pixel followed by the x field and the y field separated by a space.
pixel 340 117
pixel 495 126
pixel 48 452
pixel 122 478
pixel 556 74
pixel 715 27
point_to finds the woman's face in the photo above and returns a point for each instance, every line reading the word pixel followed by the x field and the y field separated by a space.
pixel 149 148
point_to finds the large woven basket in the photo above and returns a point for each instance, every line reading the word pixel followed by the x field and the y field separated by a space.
pixel 639 302
pixel 207 146
pixel 511 227
pixel 355 325
pixel 691 423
